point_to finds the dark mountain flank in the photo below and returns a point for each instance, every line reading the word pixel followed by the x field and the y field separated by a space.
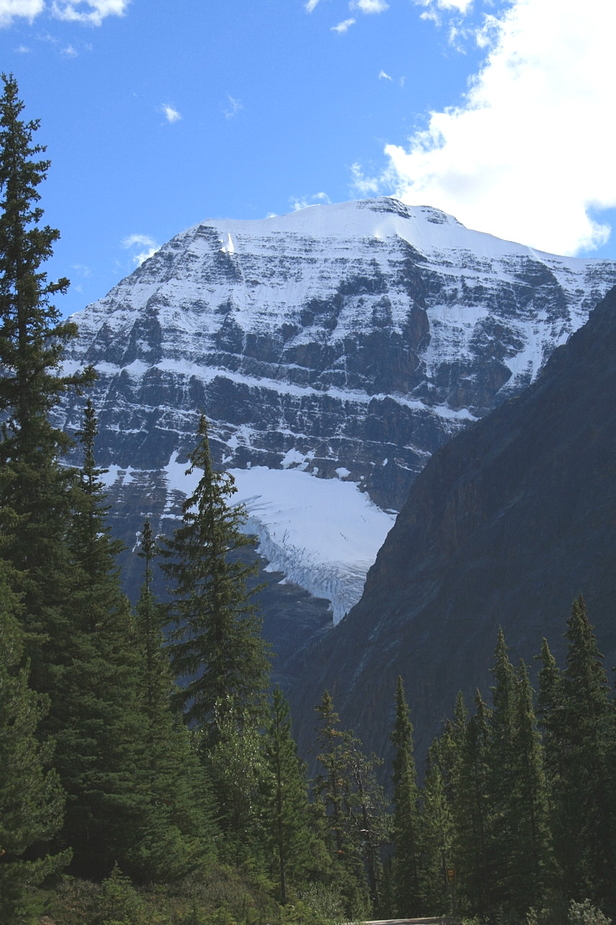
pixel 505 525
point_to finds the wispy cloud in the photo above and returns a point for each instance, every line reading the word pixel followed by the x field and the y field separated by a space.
pixel 384 76
pixel 233 107
pixel 461 6
pixel 140 241
pixel 27 9
pixel 528 155
pixel 305 201
pixel 311 5
pixel 91 12
pixel 343 26
pixel 369 6
pixel 170 113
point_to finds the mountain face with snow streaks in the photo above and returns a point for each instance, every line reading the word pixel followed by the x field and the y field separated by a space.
pixel 333 350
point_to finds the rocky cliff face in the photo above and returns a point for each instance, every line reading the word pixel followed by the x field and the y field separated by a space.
pixel 333 351
pixel 505 526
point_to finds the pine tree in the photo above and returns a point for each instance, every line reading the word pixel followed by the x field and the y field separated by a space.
pixel 532 860
pixel 295 851
pixel 469 798
pixel 217 649
pixel 34 505
pixel 501 822
pixel 354 809
pixel 178 831
pixel 518 835
pixel 407 874
pixel 31 800
pixel 95 714
pixel 583 731
pixel 437 837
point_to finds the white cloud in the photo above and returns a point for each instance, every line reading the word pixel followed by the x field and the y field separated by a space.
pixel 311 5
pixel 11 9
pixel 528 156
pixel 369 6
pixel 462 6
pixel 313 200
pixel 170 114
pixel 233 108
pixel 140 240
pixel 384 76
pixel 343 26
pixel 92 12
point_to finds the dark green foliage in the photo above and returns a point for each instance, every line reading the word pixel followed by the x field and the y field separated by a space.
pixel 294 850
pixel 578 716
pixel 94 715
pixel 178 833
pixel 354 808
pixel 34 504
pixel 406 864
pixel 517 833
pixel 437 836
pixel 218 651
pixel 31 799
pixel 469 781
pixel 532 865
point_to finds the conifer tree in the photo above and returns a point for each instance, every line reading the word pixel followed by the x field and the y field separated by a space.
pixel 469 774
pixel 406 865
pixel 95 714
pixel 532 859
pixel 501 821
pixel 178 831
pixel 517 819
pixel 585 814
pixel 31 799
pixel 354 810
pixel 217 646
pixel 550 715
pixel 437 837
pixel 34 506
pixel 295 852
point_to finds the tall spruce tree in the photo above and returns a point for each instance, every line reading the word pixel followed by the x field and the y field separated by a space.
pixel 469 796
pixel 295 851
pixel 178 831
pixel 95 714
pixel 218 651
pixel 407 873
pixel 532 858
pixel 582 728
pixel 354 810
pixel 34 506
pixel 437 836
pixel 518 832
pixel 31 799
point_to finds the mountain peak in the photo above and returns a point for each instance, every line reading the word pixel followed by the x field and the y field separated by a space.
pixel 342 343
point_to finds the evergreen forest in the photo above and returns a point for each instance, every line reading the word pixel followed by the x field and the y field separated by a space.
pixel 148 771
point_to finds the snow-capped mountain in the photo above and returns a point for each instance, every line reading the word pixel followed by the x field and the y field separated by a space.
pixel 332 350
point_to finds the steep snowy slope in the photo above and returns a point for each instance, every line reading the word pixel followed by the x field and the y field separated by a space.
pixel 342 343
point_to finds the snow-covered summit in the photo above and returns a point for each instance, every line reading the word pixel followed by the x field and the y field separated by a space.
pixel 341 342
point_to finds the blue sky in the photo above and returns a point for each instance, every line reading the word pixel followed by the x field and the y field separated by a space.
pixel 158 114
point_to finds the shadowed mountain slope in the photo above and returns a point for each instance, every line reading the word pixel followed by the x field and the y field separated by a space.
pixel 506 524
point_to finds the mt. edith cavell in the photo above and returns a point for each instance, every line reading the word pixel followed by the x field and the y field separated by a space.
pixel 333 351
